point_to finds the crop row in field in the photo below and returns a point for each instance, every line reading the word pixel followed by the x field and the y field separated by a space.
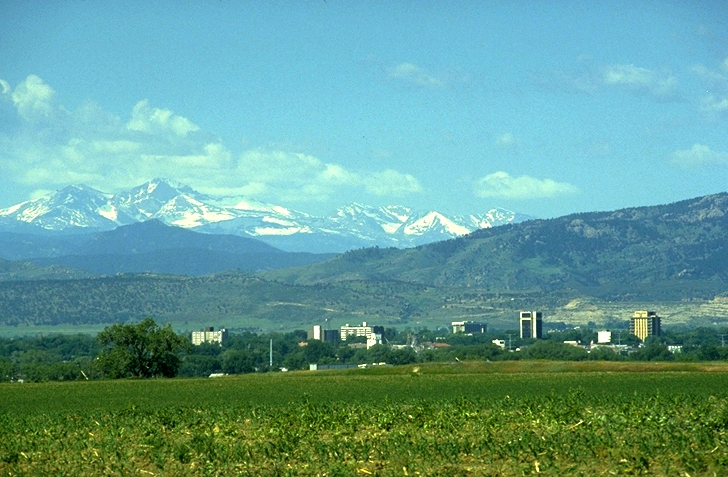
pixel 552 435
pixel 395 383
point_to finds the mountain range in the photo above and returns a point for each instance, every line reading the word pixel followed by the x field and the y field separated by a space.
pixel 598 266
pixel 82 209
pixel 673 251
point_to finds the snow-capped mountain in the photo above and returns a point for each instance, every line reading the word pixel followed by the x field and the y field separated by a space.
pixel 81 208
pixel 73 207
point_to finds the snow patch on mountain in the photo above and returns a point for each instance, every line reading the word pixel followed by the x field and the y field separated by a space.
pixel 391 228
pixel 11 210
pixel 109 211
pixel 29 211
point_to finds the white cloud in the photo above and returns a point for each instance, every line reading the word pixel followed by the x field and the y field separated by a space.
pixel 716 81
pixel 302 177
pixel 38 193
pixel 641 80
pixel 154 120
pixel 103 151
pixel 115 147
pixel 33 98
pixel 213 161
pixel 587 77
pixel 391 183
pixel 503 185
pixel 697 156
pixel 279 166
pixel 628 75
pixel 416 75
pixel 714 104
pixel 335 174
pixel 713 79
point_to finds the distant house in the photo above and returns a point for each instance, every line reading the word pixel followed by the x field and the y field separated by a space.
pixel 209 335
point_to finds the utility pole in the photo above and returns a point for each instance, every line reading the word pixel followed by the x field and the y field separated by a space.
pixel 271 353
pixel 722 339
pixel 509 341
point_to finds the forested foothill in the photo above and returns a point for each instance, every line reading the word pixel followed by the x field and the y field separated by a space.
pixel 149 350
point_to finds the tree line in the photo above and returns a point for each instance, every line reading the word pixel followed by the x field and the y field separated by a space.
pixel 149 350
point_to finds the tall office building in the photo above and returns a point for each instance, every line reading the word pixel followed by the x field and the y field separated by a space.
pixel 644 324
pixel 319 333
pixel 531 324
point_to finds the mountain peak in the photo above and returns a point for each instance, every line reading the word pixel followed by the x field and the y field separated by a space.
pixel 164 189
pixel 78 191
pixel 160 182
pixel 432 222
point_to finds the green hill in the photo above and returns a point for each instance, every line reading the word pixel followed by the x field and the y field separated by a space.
pixel 244 302
pixel 671 252
pixel 231 300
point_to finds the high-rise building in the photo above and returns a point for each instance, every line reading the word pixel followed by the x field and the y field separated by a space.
pixel 644 324
pixel 319 333
pixel 331 336
pixel 531 324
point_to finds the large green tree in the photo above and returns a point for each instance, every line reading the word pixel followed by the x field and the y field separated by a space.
pixel 144 350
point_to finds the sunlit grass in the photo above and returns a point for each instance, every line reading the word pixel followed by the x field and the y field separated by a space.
pixel 474 418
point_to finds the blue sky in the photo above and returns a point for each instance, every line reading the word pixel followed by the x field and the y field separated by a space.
pixel 545 108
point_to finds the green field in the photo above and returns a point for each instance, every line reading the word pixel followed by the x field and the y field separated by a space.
pixel 505 418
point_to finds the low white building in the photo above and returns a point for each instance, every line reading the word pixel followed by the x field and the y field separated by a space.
pixel 209 335
pixel 468 327
pixel 361 330
pixel 374 339
pixel 604 337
